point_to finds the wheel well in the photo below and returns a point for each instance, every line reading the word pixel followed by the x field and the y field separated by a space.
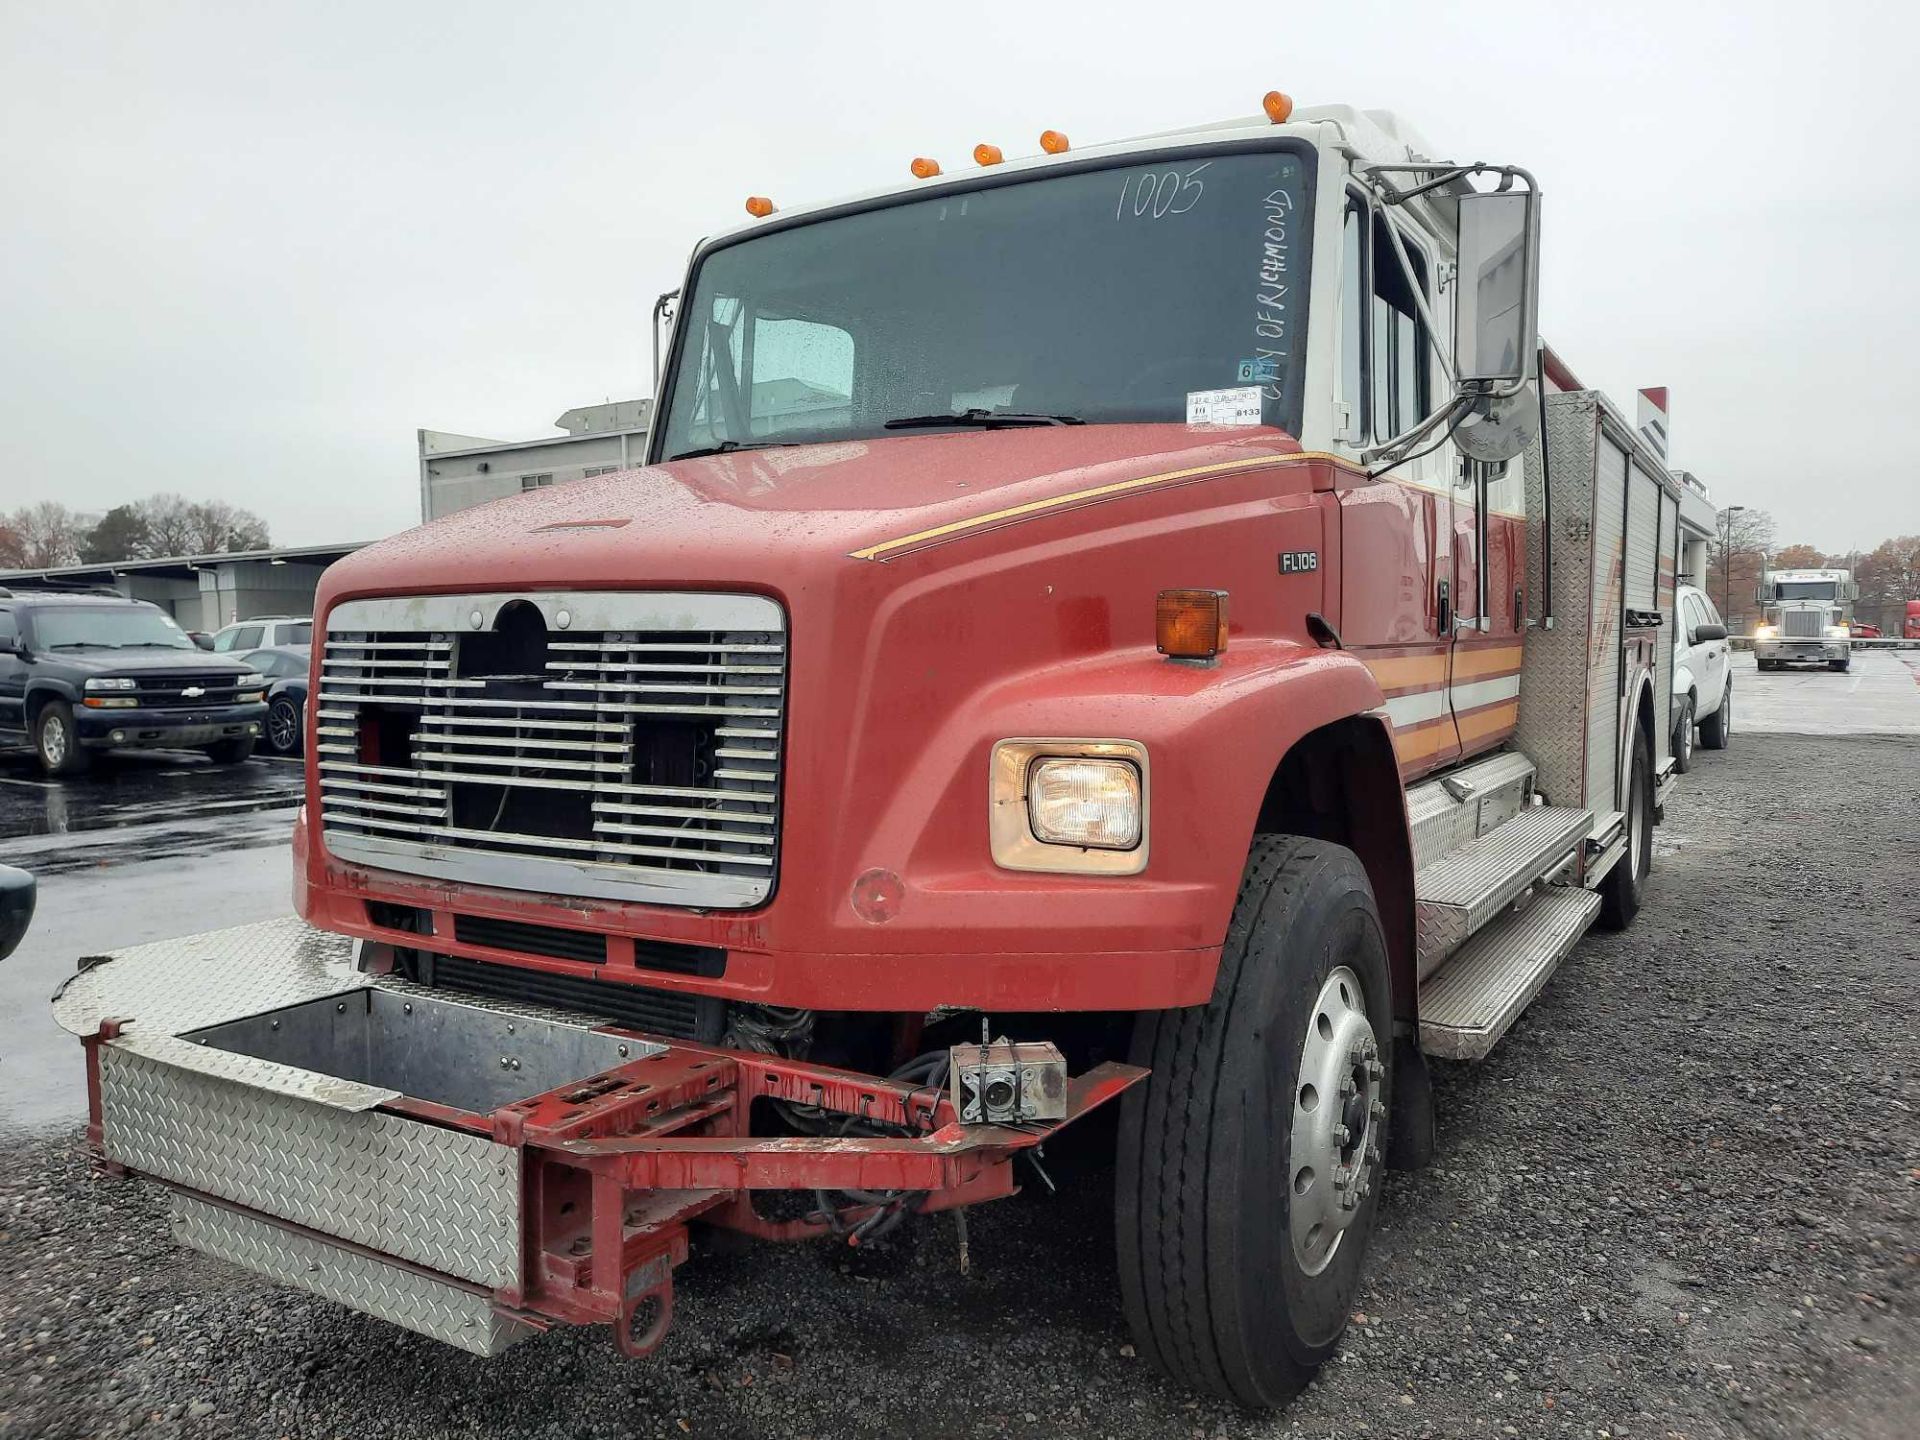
pixel 38 700
pixel 1341 783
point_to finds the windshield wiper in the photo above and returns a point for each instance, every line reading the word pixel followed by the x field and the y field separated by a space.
pixel 984 419
pixel 727 447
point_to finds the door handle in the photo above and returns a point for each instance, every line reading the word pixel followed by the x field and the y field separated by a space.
pixel 1444 593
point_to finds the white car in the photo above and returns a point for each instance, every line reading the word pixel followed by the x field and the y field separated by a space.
pixel 264 632
pixel 1702 677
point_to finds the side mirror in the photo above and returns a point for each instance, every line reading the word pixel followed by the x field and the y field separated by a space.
pixel 1703 633
pixel 17 891
pixel 1496 331
pixel 9 645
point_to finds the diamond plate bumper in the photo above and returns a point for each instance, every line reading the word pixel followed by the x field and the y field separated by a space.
pixel 474 1170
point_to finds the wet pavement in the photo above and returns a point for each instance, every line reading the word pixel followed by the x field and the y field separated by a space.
pixel 1880 695
pixel 147 846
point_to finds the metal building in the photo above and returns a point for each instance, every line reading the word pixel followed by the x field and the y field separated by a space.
pixel 457 471
pixel 204 592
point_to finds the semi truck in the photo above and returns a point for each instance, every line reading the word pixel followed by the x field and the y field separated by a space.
pixel 1142 627
pixel 1806 615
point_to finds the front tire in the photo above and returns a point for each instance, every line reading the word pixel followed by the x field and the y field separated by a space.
pixel 1683 737
pixel 1717 728
pixel 1839 667
pixel 283 726
pixel 57 743
pixel 1249 1163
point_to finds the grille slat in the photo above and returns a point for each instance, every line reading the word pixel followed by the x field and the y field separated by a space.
pixel 1802 624
pixel 626 748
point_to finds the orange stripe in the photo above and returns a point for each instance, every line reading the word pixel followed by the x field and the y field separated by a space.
pixel 1401 673
pixel 1486 664
pixel 1419 741
pixel 1478 724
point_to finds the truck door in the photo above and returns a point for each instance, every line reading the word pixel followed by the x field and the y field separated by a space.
pixel 1396 575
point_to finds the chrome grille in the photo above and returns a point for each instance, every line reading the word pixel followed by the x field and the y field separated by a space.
pixel 1803 624
pixel 621 745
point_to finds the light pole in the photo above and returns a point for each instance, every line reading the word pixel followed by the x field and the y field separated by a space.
pixel 1726 556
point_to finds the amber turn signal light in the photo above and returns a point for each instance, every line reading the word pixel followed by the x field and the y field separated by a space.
pixel 1053 142
pixel 923 168
pixel 1190 624
pixel 759 206
pixel 1278 106
pixel 984 154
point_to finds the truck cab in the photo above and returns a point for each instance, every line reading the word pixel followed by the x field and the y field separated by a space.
pixel 1807 616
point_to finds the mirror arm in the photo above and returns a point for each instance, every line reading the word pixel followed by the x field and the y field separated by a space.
pixel 662 315
pixel 1396 451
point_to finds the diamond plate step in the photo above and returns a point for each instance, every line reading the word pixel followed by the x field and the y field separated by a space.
pixel 1468 1006
pixel 1466 803
pixel 429 1304
pixel 1468 887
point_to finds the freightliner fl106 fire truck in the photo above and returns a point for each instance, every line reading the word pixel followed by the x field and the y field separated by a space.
pixel 1806 615
pixel 1143 626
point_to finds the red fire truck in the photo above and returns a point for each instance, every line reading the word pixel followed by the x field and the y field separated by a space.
pixel 1141 624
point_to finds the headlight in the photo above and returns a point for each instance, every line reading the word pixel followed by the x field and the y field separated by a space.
pixel 111 682
pixel 251 681
pixel 1837 632
pixel 1095 803
pixel 1070 806
pixel 1765 632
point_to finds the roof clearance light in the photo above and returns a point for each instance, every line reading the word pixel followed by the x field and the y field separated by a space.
pixel 923 168
pixel 1278 106
pixel 759 206
pixel 1190 624
pixel 1053 142
pixel 984 154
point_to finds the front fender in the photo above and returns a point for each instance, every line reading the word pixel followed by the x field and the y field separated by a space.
pixel 1214 736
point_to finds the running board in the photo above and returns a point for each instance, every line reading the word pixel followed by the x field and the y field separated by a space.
pixel 1456 895
pixel 1467 1007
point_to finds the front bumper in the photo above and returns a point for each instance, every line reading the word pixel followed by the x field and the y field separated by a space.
pixel 140 728
pixel 1801 649
pixel 403 1167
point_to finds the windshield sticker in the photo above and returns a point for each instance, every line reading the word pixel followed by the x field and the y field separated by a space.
pixel 1239 406
pixel 1263 371
pixel 1272 306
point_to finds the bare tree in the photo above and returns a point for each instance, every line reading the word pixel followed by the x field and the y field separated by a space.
pixel 1888 577
pixel 169 524
pixel 13 549
pixel 49 535
pixel 215 525
pixel 1738 560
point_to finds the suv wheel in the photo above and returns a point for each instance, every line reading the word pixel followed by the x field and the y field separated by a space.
pixel 1717 728
pixel 1683 737
pixel 57 742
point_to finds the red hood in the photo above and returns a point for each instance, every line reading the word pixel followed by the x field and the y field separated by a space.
pixel 725 518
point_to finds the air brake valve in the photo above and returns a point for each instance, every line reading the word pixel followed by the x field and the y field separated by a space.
pixel 1004 1083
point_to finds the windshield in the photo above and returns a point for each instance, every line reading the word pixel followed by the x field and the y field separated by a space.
pixel 1099 295
pixel 130 627
pixel 1803 590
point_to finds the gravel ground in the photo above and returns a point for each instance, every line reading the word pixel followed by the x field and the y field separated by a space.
pixel 1680 1200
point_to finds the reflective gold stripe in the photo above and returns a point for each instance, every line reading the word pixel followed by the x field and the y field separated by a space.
pixel 1098 492
pixel 1470 664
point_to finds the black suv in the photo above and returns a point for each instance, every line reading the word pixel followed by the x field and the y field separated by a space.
pixel 82 672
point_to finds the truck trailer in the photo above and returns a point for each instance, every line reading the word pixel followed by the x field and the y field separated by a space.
pixel 1142 626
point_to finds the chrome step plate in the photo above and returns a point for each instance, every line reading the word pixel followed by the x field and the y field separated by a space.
pixel 1464 804
pixel 1466 889
pixel 1481 991
pixel 428 1304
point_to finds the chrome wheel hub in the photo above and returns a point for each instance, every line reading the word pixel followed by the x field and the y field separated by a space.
pixel 1339 1120
pixel 53 742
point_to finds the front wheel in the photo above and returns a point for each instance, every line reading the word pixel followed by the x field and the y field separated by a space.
pixel 283 725
pixel 56 742
pixel 1683 737
pixel 1249 1162
pixel 1717 728
pixel 1839 667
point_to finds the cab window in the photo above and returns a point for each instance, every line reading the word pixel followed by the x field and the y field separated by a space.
pixel 1400 342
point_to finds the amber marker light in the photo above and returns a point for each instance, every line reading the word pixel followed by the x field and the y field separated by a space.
pixel 1053 142
pixel 759 206
pixel 1190 624
pixel 984 154
pixel 923 168
pixel 1278 105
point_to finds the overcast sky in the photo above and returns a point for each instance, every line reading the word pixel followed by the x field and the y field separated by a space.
pixel 246 249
